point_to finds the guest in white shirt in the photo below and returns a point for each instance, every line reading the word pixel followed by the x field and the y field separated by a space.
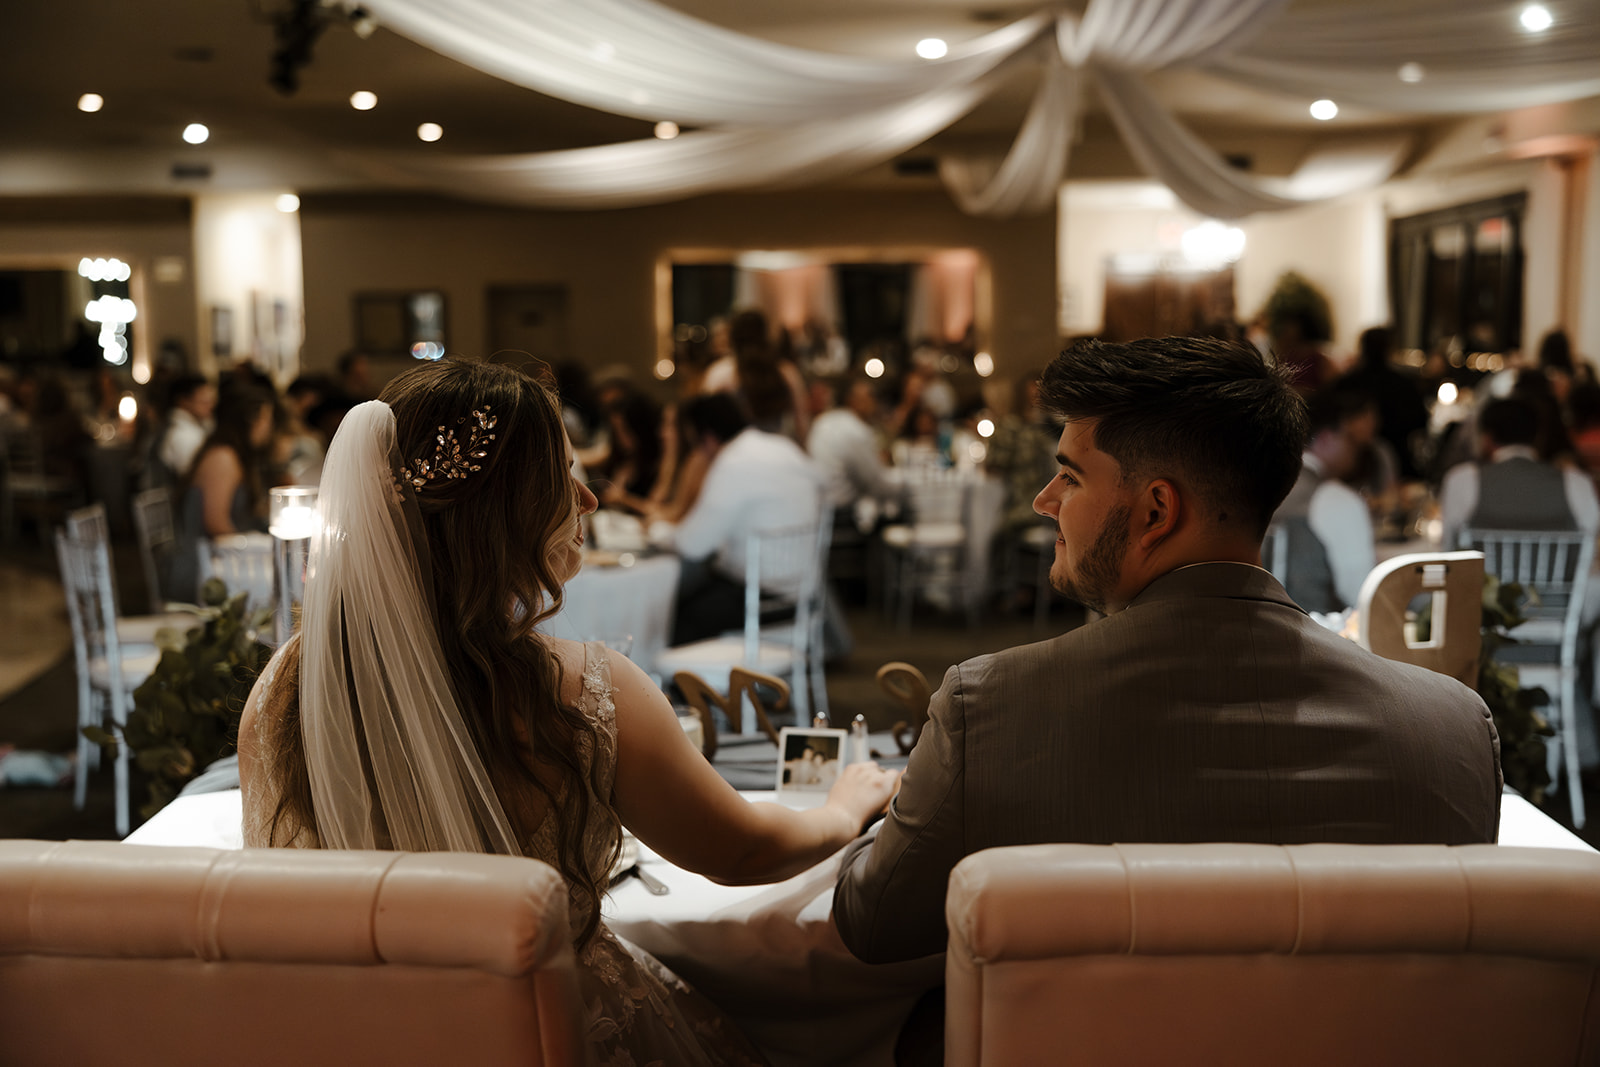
pixel 846 448
pixel 189 424
pixel 1331 546
pixel 755 480
pixel 1510 488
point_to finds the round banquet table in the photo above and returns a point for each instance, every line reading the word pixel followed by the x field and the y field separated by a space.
pixel 617 595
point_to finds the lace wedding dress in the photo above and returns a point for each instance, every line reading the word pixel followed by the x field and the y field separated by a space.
pixel 637 1012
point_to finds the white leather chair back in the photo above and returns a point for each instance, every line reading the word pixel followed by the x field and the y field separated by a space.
pixel 1315 955
pixel 129 954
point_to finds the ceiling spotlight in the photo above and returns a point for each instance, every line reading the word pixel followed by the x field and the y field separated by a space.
pixel 362 22
pixel 1411 72
pixel 91 102
pixel 666 130
pixel 932 48
pixel 287 203
pixel 195 133
pixel 362 100
pixel 430 132
pixel 1323 110
pixel 1536 18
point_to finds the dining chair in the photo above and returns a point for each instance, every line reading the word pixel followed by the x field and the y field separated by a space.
pixel 742 685
pixel 1554 566
pixel 928 553
pixel 137 633
pixel 908 687
pixel 156 531
pixel 107 672
pixel 244 564
pixel 784 611
pixel 26 484
pixel 1453 582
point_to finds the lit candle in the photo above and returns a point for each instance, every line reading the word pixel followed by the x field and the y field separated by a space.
pixel 295 521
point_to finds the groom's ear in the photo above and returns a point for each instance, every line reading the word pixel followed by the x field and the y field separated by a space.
pixel 1158 513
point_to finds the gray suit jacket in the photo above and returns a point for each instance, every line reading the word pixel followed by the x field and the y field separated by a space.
pixel 1211 709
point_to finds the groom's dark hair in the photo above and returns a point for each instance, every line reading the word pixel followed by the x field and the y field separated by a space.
pixel 1213 416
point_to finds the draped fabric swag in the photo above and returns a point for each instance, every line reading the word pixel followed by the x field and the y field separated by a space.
pixel 775 116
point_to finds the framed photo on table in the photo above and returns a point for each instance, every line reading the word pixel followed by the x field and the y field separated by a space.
pixel 809 762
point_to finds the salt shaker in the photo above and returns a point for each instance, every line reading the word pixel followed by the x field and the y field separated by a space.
pixel 859 750
pixel 819 721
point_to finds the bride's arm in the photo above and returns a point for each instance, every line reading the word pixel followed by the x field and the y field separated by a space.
pixel 674 801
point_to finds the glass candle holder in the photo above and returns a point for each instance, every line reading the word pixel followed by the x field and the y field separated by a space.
pixel 292 521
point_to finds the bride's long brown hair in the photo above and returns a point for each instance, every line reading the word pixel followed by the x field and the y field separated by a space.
pixel 491 538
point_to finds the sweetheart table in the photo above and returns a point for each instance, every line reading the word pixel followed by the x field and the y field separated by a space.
pixel 767 955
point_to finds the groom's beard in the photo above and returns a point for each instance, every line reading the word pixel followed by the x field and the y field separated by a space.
pixel 1100 568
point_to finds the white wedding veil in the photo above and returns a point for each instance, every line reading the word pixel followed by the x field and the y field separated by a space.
pixel 390 760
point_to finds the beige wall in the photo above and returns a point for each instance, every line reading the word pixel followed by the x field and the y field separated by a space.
pixel 608 260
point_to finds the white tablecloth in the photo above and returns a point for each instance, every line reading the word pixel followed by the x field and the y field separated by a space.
pixel 768 955
pixel 608 603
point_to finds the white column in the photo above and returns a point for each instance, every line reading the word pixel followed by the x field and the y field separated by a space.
pixel 248 273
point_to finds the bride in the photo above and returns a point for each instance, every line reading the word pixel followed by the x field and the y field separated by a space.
pixel 418 709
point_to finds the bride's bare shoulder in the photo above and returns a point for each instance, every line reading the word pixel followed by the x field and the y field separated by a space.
pixel 570 656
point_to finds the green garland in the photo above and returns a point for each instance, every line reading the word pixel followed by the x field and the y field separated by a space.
pixel 186 714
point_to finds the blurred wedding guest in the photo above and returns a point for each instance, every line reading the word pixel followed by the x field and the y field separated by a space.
pixel 1510 487
pixel 1022 454
pixel 1205 705
pixel 1583 413
pixel 1331 547
pixel 632 462
pixel 772 388
pixel 355 376
pixel 845 447
pixel 1551 441
pixel 754 480
pixel 297 448
pixel 57 424
pixel 1402 414
pixel 224 491
pixel 580 409
pixel 193 401
pixel 1555 361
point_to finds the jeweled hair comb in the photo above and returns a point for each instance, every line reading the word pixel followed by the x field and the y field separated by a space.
pixel 454 459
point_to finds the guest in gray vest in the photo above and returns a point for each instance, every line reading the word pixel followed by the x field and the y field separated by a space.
pixel 1331 547
pixel 1510 488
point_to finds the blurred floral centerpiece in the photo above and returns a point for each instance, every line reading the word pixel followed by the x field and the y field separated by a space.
pixel 186 714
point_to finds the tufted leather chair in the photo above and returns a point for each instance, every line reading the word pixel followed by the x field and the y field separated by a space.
pixel 1257 954
pixel 114 953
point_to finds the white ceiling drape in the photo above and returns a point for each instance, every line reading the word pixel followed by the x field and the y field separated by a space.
pixel 781 116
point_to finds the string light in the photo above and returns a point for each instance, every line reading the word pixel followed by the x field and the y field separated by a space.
pixel 666 130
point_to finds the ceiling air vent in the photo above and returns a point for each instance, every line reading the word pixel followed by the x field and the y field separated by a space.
pixel 191 172
pixel 1239 160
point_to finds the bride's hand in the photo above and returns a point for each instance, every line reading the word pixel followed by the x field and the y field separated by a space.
pixel 863 790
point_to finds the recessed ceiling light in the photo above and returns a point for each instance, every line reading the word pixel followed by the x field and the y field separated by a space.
pixel 195 133
pixel 932 48
pixel 287 203
pixel 1323 110
pixel 1411 72
pixel 666 130
pixel 362 100
pixel 91 102
pixel 1536 18
pixel 430 131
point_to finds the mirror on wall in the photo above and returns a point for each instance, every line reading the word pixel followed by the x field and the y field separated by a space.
pixel 833 310
pixel 401 324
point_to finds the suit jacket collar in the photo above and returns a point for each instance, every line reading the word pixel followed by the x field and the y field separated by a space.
pixel 1234 581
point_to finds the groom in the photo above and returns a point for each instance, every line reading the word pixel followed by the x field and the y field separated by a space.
pixel 1206 705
